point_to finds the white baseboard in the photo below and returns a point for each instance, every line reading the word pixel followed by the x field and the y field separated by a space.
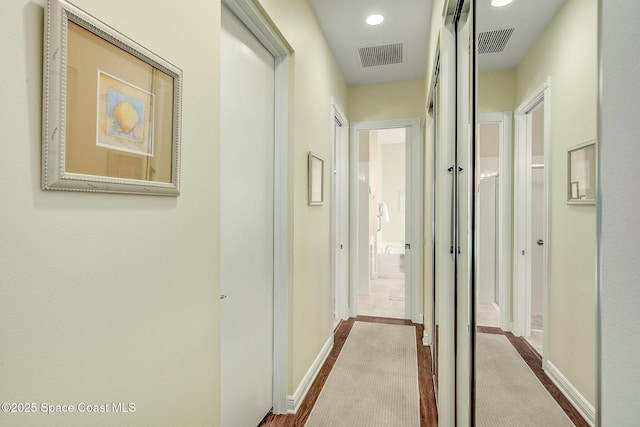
pixel 293 402
pixel 577 400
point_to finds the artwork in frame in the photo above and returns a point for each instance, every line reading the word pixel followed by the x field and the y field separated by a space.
pixel 575 191
pixel 581 170
pixel 111 109
pixel 125 116
pixel 316 179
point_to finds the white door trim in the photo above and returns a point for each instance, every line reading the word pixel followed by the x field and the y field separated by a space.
pixel 413 288
pixel 504 212
pixel 522 206
pixel 339 211
pixel 264 31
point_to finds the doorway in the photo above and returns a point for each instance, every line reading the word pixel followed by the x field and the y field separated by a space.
pixel 493 219
pixel 382 167
pixel 386 211
pixel 531 217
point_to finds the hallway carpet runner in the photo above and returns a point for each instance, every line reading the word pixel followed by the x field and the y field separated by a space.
pixel 507 392
pixel 374 381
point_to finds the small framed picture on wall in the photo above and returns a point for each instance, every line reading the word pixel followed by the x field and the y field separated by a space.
pixel 581 167
pixel 112 109
pixel 316 179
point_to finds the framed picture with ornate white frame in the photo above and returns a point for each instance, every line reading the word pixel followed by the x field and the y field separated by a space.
pixel 316 179
pixel 581 169
pixel 111 109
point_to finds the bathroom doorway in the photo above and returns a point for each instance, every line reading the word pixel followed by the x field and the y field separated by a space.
pixel 385 223
pixel 382 168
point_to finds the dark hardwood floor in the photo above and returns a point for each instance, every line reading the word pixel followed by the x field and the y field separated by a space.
pixel 534 361
pixel 428 411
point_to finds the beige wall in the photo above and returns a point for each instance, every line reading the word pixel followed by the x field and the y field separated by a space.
pixel 374 182
pixel 393 181
pixel 567 52
pixel 386 101
pixel 496 91
pixel 315 79
pixel 111 298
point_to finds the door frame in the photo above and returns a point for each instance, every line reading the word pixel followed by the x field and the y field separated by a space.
pixel 522 206
pixel 505 119
pixel 270 37
pixel 413 223
pixel 339 211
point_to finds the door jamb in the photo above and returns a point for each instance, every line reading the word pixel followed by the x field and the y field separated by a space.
pixel 522 206
pixel 339 219
pixel 413 288
pixel 504 212
pixel 269 36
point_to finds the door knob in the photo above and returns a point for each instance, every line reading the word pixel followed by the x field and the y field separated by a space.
pixel 222 296
pixel 540 242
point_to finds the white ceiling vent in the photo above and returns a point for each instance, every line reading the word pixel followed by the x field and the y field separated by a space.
pixel 382 55
pixel 493 41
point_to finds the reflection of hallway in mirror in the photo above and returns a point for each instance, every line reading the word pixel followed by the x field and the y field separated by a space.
pixel 488 314
pixel 385 300
pixel 536 333
pixel 513 389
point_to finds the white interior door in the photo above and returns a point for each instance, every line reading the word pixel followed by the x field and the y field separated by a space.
pixel 246 225
pixel 444 242
pixel 463 212
pixel 537 251
pixel 340 216
pixel 487 240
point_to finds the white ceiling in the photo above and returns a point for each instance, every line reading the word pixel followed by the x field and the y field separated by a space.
pixel 342 22
pixel 528 17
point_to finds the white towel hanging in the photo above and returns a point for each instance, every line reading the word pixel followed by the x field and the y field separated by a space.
pixel 383 212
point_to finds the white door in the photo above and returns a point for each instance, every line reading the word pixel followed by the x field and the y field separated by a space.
pixel 444 284
pixel 463 213
pixel 487 241
pixel 246 225
pixel 537 251
pixel 340 216
pixel 453 216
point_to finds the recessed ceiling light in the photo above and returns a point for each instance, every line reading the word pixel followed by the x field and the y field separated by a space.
pixel 500 3
pixel 374 19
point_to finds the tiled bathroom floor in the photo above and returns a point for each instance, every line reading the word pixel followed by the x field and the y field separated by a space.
pixel 386 299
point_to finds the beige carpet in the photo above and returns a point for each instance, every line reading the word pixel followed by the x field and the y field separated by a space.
pixel 507 392
pixel 374 382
